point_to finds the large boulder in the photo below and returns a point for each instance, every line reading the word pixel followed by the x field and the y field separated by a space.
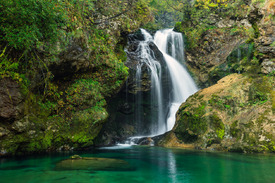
pixel 236 114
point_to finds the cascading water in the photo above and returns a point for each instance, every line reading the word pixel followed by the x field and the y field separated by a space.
pixel 182 83
pixel 170 83
pixel 146 57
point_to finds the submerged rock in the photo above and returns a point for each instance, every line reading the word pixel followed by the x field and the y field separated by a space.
pixel 92 163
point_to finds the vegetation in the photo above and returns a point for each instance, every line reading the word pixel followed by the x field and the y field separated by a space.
pixel 191 124
pixel 37 37
pixel 200 16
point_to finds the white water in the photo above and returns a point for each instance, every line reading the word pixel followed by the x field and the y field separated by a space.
pixel 182 82
pixel 154 67
pixel 171 45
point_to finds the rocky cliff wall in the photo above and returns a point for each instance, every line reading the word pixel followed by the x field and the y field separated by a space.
pixel 238 38
pixel 237 112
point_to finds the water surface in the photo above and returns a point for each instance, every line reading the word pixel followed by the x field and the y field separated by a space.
pixel 147 164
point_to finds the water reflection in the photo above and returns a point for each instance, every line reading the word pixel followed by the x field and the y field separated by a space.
pixel 150 164
pixel 172 167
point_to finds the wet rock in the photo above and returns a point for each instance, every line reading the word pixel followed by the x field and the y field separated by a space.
pixel 125 108
pixel 137 36
pixel 135 61
pixel 146 141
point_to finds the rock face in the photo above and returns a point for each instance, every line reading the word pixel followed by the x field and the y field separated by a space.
pixel 265 44
pixel 217 46
pixel 73 60
pixel 236 114
pixel 249 33
pixel 11 100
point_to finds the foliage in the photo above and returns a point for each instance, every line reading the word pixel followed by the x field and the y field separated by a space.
pixel 199 16
pixel 9 68
pixel 35 34
pixel 24 23
pixel 164 15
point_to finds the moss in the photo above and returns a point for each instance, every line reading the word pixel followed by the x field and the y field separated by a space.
pixel 191 124
pixel 217 73
pixel 178 27
pixel 260 90
pixel 217 125
pixel 235 130
pixel 225 103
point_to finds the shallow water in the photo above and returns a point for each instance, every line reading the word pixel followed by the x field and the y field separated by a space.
pixel 146 164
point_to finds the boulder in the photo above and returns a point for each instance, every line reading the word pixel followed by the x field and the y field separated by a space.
pixel 236 114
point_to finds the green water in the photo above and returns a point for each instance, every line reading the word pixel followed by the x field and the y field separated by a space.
pixel 147 164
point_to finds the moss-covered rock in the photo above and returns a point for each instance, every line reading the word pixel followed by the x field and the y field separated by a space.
pixel 236 114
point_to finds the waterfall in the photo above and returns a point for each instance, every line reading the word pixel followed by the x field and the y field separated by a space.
pixel 158 60
pixel 146 57
pixel 182 83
